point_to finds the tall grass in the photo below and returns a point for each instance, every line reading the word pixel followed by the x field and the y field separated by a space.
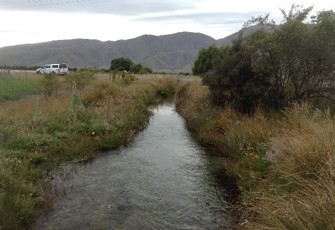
pixel 242 140
pixel 283 164
pixel 303 174
pixel 65 123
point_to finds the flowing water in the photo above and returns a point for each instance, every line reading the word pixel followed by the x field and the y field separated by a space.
pixel 162 180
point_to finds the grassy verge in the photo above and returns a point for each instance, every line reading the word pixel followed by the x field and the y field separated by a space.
pixel 283 165
pixel 12 88
pixel 75 118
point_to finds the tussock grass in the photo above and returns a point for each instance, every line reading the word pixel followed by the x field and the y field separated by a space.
pixel 242 140
pixel 284 165
pixel 62 124
pixel 309 207
pixel 303 174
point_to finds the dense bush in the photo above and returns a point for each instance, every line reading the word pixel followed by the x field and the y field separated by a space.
pixel 206 59
pixel 292 62
pixel 125 64
pixel 234 82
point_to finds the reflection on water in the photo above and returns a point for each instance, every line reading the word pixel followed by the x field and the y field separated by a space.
pixel 161 181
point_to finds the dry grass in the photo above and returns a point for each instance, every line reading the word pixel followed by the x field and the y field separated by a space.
pixel 194 105
pixel 242 139
pixel 23 109
pixel 284 165
pixel 243 131
pixel 302 192
pixel 192 96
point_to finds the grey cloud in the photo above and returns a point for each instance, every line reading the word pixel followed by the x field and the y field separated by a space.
pixel 117 7
pixel 206 18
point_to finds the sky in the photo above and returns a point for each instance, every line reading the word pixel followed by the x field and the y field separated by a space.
pixel 34 21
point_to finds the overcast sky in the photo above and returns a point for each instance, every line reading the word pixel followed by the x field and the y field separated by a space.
pixel 33 21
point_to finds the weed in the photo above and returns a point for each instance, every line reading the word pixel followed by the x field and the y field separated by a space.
pixel 79 78
pixel 51 84
pixel 128 79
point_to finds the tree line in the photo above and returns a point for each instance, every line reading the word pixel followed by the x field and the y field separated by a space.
pixel 274 66
pixel 18 67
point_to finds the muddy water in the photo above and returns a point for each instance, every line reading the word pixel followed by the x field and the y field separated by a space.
pixel 161 181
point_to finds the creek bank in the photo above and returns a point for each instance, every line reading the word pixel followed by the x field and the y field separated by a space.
pixel 279 161
pixel 162 180
pixel 69 123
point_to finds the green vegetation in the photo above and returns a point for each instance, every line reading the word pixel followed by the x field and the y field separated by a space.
pixel 207 59
pixel 274 66
pixel 72 120
pixel 15 88
pixel 253 105
pixel 257 108
pixel 125 64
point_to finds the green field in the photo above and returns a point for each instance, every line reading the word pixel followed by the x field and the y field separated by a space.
pixel 12 88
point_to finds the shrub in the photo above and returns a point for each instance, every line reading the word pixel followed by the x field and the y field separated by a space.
pixel 128 79
pixel 79 78
pixel 50 84
pixel 275 65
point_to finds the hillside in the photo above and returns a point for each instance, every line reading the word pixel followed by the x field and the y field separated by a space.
pixel 167 53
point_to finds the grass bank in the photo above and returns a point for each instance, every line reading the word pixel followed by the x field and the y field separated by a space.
pixel 284 164
pixel 74 118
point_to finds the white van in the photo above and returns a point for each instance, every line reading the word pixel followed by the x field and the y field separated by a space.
pixel 60 69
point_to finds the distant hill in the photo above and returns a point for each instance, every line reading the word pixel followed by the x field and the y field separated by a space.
pixel 167 53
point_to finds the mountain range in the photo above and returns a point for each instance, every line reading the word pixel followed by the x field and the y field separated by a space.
pixel 166 53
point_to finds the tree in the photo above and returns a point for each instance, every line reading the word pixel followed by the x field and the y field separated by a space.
pixel 206 59
pixel 293 62
pixel 299 57
pixel 135 68
pixel 234 82
pixel 145 70
pixel 120 64
pixel 140 69
pixel 125 64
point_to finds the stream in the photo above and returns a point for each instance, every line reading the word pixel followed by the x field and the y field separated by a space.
pixel 163 180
